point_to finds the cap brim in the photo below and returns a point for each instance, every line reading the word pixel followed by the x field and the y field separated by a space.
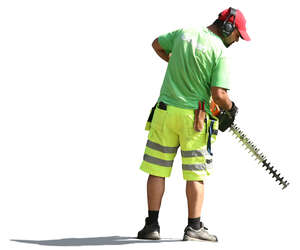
pixel 244 35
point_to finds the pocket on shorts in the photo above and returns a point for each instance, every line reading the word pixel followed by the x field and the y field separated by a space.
pixel 159 118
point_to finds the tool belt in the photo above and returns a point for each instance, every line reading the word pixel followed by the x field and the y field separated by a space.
pixel 200 115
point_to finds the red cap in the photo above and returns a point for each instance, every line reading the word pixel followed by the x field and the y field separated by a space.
pixel 240 22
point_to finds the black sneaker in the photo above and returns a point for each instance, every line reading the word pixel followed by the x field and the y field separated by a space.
pixel 150 231
pixel 198 235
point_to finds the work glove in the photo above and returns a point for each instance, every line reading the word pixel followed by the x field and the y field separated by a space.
pixel 226 117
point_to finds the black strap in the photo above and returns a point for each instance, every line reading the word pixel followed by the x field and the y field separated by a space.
pixel 151 113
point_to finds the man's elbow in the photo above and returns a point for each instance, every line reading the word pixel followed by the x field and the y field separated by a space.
pixel 218 94
pixel 155 44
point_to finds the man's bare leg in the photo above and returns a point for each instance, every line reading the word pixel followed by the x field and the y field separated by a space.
pixel 195 229
pixel 195 195
pixel 155 192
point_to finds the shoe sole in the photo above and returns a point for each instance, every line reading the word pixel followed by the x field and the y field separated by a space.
pixel 151 236
pixel 188 238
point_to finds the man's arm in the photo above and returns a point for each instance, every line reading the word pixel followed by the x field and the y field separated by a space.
pixel 228 108
pixel 221 98
pixel 160 51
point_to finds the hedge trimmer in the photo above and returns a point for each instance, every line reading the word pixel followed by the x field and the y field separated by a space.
pixel 227 122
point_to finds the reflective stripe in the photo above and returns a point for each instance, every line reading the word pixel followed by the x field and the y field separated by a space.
pixel 192 153
pixel 161 148
pixel 157 161
pixel 194 167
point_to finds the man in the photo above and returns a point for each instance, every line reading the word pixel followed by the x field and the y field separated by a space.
pixel 197 70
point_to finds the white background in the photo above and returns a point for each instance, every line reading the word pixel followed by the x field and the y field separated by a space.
pixel 78 79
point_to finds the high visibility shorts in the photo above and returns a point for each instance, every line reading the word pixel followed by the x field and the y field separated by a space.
pixel 172 128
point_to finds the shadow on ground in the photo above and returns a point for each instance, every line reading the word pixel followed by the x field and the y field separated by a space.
pixel 97 241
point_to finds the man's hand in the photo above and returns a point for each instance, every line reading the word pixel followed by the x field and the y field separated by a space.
pixel 160 51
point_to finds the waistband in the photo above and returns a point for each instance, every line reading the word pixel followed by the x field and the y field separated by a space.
pixel 164 106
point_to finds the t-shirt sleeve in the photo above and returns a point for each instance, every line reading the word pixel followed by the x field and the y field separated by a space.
pixel 221 74
pixel 166 41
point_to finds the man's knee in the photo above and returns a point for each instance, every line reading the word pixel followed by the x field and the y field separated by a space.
pixel 201 182
pixel 155 177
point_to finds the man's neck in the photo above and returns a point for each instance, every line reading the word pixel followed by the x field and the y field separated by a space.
pixel 216 30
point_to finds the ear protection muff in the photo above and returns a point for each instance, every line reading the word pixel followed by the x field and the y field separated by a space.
pixel 227 27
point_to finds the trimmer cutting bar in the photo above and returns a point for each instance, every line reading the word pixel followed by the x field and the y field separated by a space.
pixel 239 134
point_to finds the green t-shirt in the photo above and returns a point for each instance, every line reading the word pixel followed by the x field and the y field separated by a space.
pixel 198 62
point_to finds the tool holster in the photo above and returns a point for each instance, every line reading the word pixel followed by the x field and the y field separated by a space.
pixel 200 116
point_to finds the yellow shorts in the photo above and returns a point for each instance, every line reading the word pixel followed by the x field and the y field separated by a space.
pixel 172 128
